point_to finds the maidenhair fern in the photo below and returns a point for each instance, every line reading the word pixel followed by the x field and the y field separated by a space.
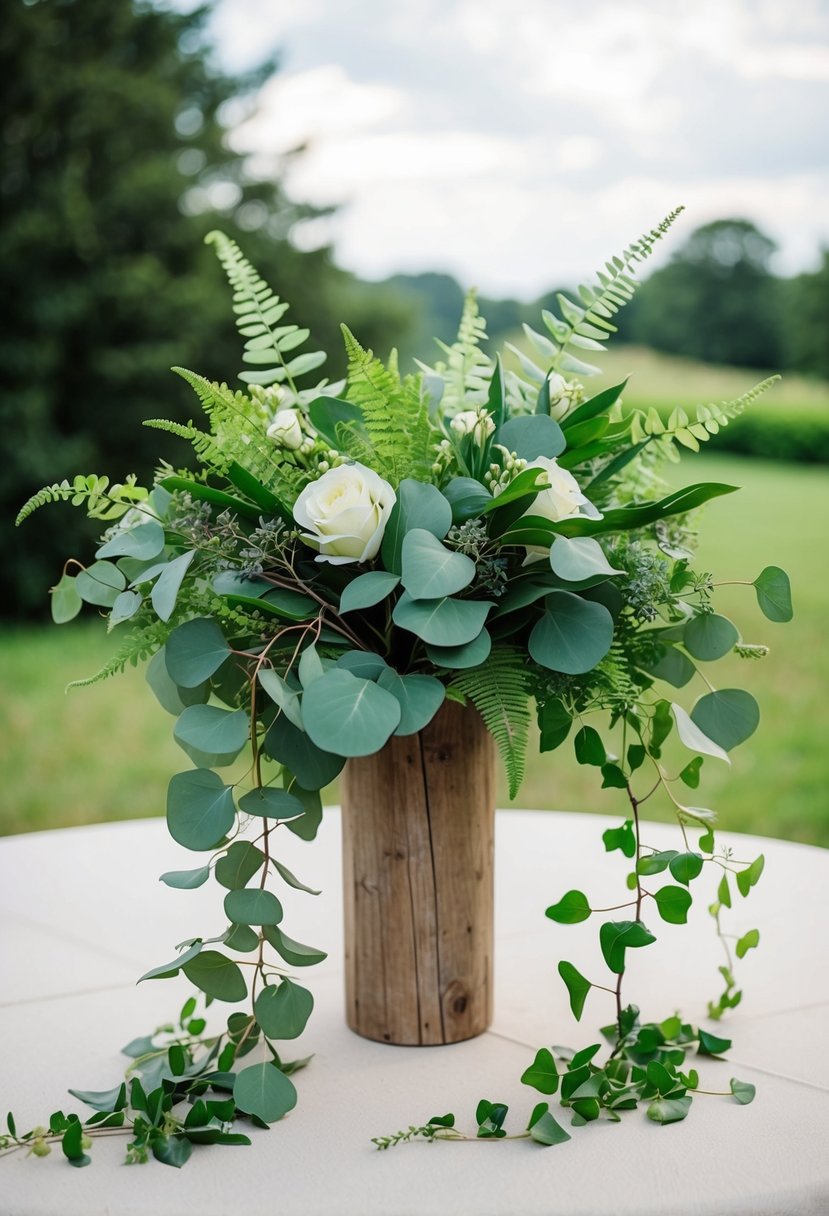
pixel 102 500
pixel 396 437
pixel 467 371
pixel 500 691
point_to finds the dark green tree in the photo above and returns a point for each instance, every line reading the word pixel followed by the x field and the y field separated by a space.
pixel 716 300
pixel 807 319
pixel 115 164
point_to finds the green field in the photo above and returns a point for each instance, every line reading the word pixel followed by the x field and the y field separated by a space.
pixel 107 752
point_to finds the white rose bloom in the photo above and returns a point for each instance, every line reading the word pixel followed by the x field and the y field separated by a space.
pixel 286 429
pixel 477 423
pixel 562 500
pixel 345 513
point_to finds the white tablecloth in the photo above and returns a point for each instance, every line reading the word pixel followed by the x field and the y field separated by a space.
pixel 82 915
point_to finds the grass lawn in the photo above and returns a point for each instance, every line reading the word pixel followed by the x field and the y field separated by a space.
pixel 107 752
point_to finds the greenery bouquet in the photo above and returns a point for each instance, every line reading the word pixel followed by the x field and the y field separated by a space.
pixel 348 557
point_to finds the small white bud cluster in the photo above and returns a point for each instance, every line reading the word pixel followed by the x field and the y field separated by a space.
pixel 564 395
pixel 443 457
pixel 267 400
pixel 497 478
pixel 478 424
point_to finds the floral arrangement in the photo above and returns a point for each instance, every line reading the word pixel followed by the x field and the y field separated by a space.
pixel 348 556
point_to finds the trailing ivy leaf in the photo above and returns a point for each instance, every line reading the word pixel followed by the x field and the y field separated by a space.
pixel 542 1074
pixel 669 1110
pixel 724 892
pixel 545 1130
pixel 617 936
pixel 613 778
pixel 441 1121
pixel 728 716
pixel 570 909
pixel 186 880
pixel 72 1144
pixel 656 862
pixel 238 865
pixel 554 723
pixel 685 867
pixel 711 1044
pixel 577 987
pixel 217 976
pixel 749 877
pixel 747 942
pixel 743 1091
pixel 673 904
pixel 622 838
pixel 774 594
pixel 283 1011
pixel 690 774
pixel 262 1090
pixel 588 747
pixel 661 726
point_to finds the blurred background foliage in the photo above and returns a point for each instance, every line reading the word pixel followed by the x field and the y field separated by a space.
pixel 116 162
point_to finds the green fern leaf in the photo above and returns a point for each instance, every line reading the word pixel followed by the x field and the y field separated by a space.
pixel 466 372
pixel 102 500
pixel 500 691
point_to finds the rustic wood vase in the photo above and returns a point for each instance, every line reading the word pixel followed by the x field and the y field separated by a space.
pixel 418 825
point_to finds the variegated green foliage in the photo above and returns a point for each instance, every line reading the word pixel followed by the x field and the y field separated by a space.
pixel 396 437
pixel 466 371
pixel 584 325
pixel 690 432
pixel 101 500
pixel 500 691
pixel 259 310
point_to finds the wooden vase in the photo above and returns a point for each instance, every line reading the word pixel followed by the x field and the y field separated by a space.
pixel 418 825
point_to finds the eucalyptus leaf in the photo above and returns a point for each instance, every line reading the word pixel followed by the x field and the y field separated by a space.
pixel 194 651
pixel 694 738
pixel 367 590
pixel 208 730
pixel 281 694
pixel 66 602
pixel 294 953
pixel 348 715
pixel 143 542
pixel 313 766
pixel 531 435
pixel 283 1011
pixel 774 594
pixel 100 584
pixel 200 810
pixel 728 716
pixel 430 570
pixel 573 635
pixel 252 906
pixel 166 970
pixel 264 1091
pixel 579 557
pixel 217 976
pixel 419 697
pixel 166 587
pixel 238 865
pixel 271 803
pixel 186 880
pixel 709 636
pixel 458 658
pixel 441 622
pixel 419 505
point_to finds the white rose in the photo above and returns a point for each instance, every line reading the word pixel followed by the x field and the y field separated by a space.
pixel 345 513
pixel 477 423
pixel 286 429
pixel 563 499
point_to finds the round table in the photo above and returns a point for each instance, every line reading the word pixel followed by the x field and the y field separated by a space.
pixel 83 915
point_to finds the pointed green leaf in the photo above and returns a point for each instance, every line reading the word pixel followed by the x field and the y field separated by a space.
pixel 186 880
pixel 217 976
pixel 728 716
pixel 570 909
pixel 774 594
pixel 542 1074
pixel 577 986
pixel 367 590
pixel 673 904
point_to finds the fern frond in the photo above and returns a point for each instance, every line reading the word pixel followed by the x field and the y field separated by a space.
pixel 399 436
pixel 204 445
pixel 500 691
pixel 258 311
pixel 466 371
pixel 102 500
pixel 707 420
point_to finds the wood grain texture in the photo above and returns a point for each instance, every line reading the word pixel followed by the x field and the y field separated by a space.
pixel 418 824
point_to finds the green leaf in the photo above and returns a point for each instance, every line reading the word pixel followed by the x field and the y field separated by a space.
pixel 171 1150
pixel 673 904
pixel 542 1074
pixel 307 826
pixel 617 936
pixel 690 774
pixel 168 584
pixel 237 867
pixel 545 1130
pixel 291 879
pixel 100 584
pixel 749 877
pixel 217 976
pixel 283 1011
pixel 774 594
pixel 262 1090
pixel 166 970
pixel 348 715
pixel 747 942
pixel 312 766
pixel 66 602
pixel 283 696
pixel 724 892
pixel 570 909
pixel 694 738
pixel 294 953
pixel 430 570
pixel 459 658
pixel 419 697
pixel 573 635
pixel 210 735
pixel 622 838
pixel 728 716
pixel 194 651
pixel 661 726
pixel 669 1110
pixel 419 505
pixel 169 695
pixel 711 1044
pixel 467 498
pixel 142 542
pixel 577 987
pixel 367 590
pixel 531 436
pixel 124 608
pixel 310 666
pixel 743 1091
pixel 589 747
pixel 241 938
pixel 709 636
pixel 655 863
pixel 101 1100
pixel 441 622
pixel 673 667
pixel 252 906
pixel 200 810
pixel 186 880
pixel 599 404
pixel 363 663
pixel 327 413
pixel 613 778
pixel 271 803
pixel 72 1144
pixel 578 558
pixel 686 866
pixel 554 723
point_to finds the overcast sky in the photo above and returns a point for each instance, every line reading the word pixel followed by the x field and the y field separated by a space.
pixel 518 143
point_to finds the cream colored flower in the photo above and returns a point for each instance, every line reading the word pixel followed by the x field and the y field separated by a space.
pixel 286 429
pixel 477 423
pixel 559 396
pixel 344 513
pixel 562 500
